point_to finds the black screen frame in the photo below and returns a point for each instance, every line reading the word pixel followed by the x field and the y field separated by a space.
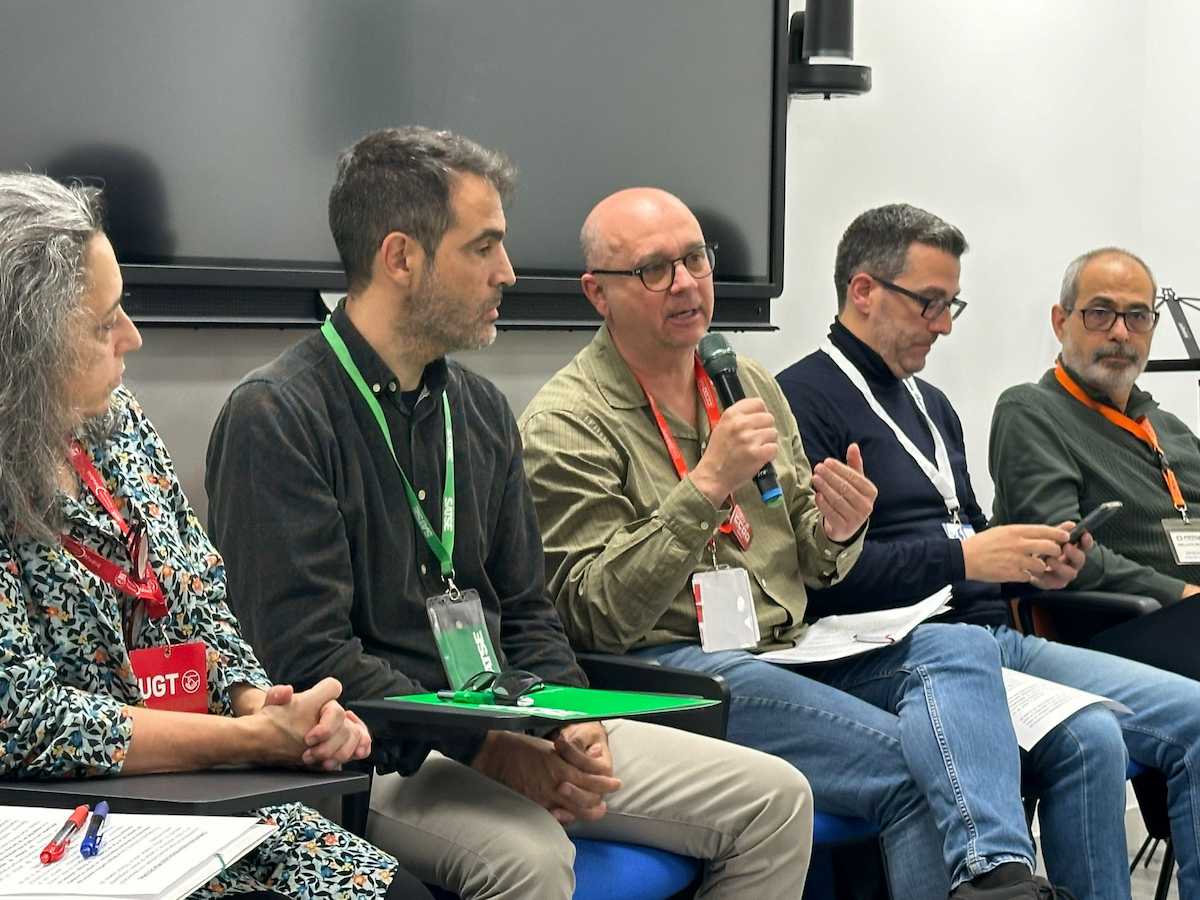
pixel 259 295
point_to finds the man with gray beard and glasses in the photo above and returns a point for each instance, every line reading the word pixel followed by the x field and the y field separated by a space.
pixel 1085 434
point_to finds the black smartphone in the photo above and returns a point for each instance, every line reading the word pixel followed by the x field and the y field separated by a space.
pixel 1094 519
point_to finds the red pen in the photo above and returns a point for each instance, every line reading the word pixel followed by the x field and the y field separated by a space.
pixel 61 841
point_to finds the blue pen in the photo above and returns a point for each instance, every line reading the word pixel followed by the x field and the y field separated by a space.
pixel 91 841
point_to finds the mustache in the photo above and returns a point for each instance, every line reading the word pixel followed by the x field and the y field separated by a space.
pixel 1116 351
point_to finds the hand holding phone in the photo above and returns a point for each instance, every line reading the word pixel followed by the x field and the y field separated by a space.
pixel 1094 519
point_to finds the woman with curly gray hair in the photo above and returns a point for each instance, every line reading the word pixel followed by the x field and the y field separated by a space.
pixel 118 652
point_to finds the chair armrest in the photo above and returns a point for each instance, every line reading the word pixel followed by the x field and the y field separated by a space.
pixel 623 673
pixel 1079 614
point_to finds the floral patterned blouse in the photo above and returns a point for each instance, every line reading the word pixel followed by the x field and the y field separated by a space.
pixel 65 673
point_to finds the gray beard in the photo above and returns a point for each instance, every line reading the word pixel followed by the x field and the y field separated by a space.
pixel 1101 379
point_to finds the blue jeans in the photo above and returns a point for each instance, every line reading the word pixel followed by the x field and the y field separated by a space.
pixel 915 736
pixel 1081 764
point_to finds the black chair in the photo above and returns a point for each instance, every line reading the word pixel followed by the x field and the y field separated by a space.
pixel 1075 617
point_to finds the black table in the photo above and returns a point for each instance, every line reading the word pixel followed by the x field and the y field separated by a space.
pixel 214 792
pixel 1173 365
pixel 381 715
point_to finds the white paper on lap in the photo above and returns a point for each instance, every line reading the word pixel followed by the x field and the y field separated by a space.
pixel 837 637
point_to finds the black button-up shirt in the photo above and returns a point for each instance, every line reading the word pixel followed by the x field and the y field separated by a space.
pixel 326 568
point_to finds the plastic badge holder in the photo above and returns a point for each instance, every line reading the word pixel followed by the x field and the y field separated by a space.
pixel 462 637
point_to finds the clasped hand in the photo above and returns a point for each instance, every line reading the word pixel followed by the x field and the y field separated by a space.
pixel 311 728
pixel 568 776
pixel 1037 554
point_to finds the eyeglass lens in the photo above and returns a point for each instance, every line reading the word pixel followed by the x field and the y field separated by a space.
pixel 658 276
pixel 480 681
pixel 1101 318
pixel 935 308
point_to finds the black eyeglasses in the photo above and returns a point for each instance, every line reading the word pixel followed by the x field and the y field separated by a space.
pixel 659 275
pixel 931 307
pixel 137 544
pixel 1101 318
pixel 506 687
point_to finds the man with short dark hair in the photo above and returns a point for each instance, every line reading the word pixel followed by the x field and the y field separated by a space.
pixel 898 282
pixel 648 512
pixel 363 485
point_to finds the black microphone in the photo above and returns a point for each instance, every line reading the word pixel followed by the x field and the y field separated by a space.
pixel 720 362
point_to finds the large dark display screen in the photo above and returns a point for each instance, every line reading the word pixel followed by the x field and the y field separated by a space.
pixel 214 126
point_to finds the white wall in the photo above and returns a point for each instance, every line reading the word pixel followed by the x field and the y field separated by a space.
pixel 1170 182
pixel 1041 129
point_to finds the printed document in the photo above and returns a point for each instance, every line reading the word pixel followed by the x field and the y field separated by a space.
pixel 837 637
pixel 1037 705
pixel 142 857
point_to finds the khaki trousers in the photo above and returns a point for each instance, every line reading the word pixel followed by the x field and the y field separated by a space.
pixel 748 814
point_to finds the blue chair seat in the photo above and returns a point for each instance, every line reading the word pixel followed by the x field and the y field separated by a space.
pixel 611 870
pixel 829 830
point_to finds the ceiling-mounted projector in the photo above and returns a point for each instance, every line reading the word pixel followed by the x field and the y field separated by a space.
pixel 824 30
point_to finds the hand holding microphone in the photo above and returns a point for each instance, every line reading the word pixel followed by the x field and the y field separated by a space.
pixel 746 437
pixel 744 441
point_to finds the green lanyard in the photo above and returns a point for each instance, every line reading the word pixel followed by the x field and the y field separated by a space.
pixel 443 547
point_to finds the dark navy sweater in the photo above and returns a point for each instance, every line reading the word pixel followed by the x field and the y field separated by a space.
pixel 906 556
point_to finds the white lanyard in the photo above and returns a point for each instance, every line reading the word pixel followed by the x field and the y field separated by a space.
pixel 940 476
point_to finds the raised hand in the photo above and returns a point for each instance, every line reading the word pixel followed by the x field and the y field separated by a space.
pixel 844 494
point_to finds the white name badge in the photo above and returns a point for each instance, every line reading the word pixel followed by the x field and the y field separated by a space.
pixel 725 610
pixel 1184 539
pixel 958 531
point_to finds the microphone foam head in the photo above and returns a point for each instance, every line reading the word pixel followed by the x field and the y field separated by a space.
pixel 716 355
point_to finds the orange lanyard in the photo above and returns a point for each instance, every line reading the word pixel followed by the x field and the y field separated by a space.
pixel 1139 428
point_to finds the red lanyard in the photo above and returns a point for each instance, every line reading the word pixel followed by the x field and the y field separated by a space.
pixel 1139 428
pixel 736 524
pixel 148 589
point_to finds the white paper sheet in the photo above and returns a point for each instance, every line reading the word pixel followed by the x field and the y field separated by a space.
pixel 142 856
pixel 1037 705
pixel 837 637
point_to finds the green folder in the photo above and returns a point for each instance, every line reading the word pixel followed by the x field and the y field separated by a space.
pixel 567 704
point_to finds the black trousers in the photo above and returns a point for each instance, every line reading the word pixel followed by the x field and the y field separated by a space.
pixel 1167 639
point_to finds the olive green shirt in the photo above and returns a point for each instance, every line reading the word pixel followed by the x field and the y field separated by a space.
pixel 623 533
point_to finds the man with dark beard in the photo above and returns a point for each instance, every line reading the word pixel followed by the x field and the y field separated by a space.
pixel 362 485
pixel 1086 434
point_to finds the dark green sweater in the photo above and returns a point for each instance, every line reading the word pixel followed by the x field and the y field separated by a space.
pixel 1053 459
